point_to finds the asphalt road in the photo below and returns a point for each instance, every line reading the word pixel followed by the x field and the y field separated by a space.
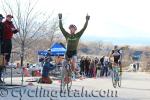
pixel 135 86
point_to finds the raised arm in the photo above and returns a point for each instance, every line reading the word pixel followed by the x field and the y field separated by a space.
pixel 85 26
pixel 65 33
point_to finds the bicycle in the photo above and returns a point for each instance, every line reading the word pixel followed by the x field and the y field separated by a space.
pixel 66 79
pixel 116 76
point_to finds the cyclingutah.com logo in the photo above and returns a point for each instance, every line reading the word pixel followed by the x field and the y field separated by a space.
pixel 53 94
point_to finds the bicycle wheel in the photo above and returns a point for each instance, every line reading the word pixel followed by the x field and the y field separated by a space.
pixel 114 81
pixel 63 84
pixel 69 84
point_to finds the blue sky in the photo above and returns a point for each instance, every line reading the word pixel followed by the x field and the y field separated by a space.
pixel 116 21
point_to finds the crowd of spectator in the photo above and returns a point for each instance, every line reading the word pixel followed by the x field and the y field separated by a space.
pixel 95 67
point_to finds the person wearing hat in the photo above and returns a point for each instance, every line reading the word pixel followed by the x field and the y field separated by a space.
pixel 1 43
pixel 47 67
pixel 9 30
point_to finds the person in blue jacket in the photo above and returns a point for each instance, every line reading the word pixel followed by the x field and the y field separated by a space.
pixel 47 67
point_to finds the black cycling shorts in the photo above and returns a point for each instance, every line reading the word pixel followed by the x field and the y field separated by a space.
pixel 117 62
pixel 70 54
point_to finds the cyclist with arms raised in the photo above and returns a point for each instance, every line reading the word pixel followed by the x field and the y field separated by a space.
pixel 72 39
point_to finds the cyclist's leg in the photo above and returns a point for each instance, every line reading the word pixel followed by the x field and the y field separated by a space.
pixel 74 65
pixel 65 76
pixel 115 73
pixel 74 62
pixel 116 70
pixel 69 57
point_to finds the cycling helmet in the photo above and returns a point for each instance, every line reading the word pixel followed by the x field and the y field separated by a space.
pixel 73 26
pixel 115 47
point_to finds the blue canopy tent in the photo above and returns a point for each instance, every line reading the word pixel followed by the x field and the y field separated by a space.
pixel 57 49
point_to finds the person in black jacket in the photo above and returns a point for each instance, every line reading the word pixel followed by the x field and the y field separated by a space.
pixel 87 65
pixel 1 31
pixel 102 66
pixel 1 43
pixel 82 65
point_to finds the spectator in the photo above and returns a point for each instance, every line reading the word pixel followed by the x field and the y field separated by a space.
pixel 1 43
pixel 102 60
pixel 87 63
pixel 45 72
pixel 102 66
pixel 1 31
pixel 138 65
pixel 9 30
pixel 106 65
pixel 95 67
pixel 91 68
pixel 98 68
pixel 82 65
pixel 96 60
pixel 58 61
pixel 134 67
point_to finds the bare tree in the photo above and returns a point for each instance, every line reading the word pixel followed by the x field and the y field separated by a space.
pixel 53 34
pixel 28 20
